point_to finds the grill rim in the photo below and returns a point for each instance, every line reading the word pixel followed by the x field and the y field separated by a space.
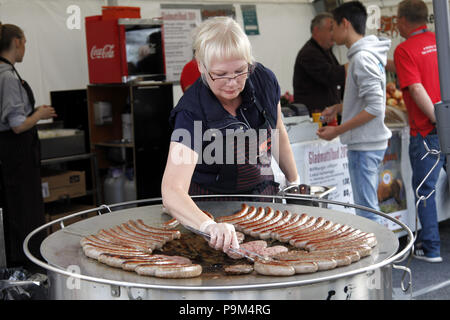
pixel 398 257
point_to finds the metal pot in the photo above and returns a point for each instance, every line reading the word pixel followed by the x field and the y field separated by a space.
pixel 74 276
pixel 312 194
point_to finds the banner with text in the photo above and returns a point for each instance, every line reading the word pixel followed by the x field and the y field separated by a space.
pixel 326 164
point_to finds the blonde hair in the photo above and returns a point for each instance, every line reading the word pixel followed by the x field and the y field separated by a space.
pixel 221 38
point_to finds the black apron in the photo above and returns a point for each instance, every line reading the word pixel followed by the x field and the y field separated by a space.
pixel 20 190
pixel 244 175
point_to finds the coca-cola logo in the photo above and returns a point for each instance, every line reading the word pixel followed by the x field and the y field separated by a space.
pixel 107 52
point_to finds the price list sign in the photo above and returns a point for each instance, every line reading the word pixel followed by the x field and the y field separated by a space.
pixel 178 26
pixel 327 165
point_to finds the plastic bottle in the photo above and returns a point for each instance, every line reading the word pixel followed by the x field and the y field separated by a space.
pixel 127 134
pixel 129 186
pixel 114 187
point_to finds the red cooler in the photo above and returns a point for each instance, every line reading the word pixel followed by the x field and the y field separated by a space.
pixel 119 48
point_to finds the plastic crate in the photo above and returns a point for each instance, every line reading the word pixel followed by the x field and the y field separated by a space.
pixel 117 12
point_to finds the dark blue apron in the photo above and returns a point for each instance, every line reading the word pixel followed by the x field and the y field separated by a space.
pixel 244 175
pixel 20 188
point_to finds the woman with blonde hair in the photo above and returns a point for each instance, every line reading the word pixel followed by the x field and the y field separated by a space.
pixel 226 127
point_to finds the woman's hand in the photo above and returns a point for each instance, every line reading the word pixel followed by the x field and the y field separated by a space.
pixel 45 112
pixel 41 113
pixel 223 236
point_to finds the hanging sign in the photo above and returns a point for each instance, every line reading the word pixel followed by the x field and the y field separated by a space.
pixel 250 19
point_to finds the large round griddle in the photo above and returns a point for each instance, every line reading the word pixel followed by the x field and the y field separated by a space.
pixel 62 249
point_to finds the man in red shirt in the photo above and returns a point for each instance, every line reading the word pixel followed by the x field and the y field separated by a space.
pixel 416 65
pixel 189 74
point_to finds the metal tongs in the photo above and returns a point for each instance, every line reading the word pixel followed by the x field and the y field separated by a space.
pixel 246 253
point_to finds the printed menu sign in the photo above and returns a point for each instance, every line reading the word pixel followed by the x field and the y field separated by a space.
pixel 178 26
pixel 327 165
pixel 180 20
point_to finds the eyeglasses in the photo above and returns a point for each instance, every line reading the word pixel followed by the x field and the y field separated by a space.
pixel 224 79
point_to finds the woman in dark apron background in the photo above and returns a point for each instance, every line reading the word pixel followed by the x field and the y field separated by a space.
pixel 20 180
pixel 222 140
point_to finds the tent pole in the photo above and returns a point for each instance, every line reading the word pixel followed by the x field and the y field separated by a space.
pixel 442 109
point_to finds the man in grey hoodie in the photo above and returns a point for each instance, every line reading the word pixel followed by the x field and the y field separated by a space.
pixel 363 108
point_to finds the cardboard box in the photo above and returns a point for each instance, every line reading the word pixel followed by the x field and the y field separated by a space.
pixel 68 184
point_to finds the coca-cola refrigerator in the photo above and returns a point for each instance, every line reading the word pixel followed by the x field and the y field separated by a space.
pixel 120 50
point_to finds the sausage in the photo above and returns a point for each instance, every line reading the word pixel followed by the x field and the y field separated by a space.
pixel 102 242
pixel 116 260
pixel 273 268
pixel 104 234
pixel 240 226
pixel 356 235
pixel 269 214
pixel 128 232
pixel 239 269
pixel 340 255
pixel 119 234
pixel 286 234
pixel 140 223
pixel 110 246
pixel 319 229
pixel 238 214
pixel 131 264
pixel 285 229
pixel 245 217
pixel 323 263
pixel 172 223
pixel 369 241
pixel 300 242
pixel 92 252
pixel 168 234
pixel 267 231
pixel 177 259
pixel 340 233
pixel 341 259
pixel 278 217
pixel 175 271
pixel 362 250
pixel 285 237
pixel 295 221
pixel 303 267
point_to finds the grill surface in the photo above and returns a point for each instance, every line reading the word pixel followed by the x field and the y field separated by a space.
pixel 62 249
